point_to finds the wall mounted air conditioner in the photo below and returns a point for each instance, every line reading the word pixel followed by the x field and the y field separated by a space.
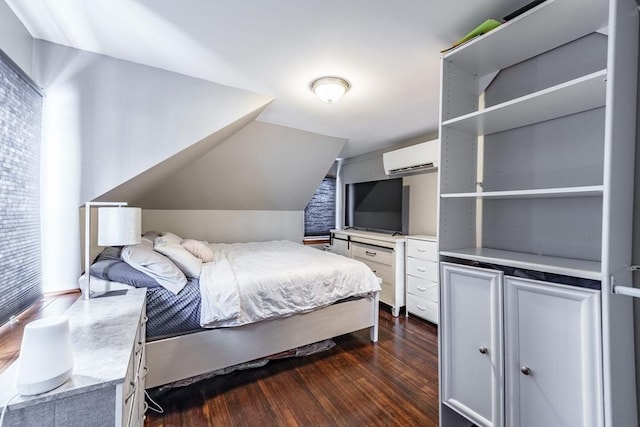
pixel 415 158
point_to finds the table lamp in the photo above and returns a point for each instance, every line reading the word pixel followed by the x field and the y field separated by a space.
pixel 117 226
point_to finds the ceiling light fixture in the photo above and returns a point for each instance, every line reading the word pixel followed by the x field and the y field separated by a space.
pixel 329 89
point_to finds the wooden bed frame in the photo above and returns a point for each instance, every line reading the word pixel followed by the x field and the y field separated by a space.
pixel 178 358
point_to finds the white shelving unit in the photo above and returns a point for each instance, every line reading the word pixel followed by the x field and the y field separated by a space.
pixel 536 169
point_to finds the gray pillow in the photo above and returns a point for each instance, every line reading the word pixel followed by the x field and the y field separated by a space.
pixel 116 270
pixel 143 258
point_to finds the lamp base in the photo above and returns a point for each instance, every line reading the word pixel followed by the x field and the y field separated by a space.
pixel 29 389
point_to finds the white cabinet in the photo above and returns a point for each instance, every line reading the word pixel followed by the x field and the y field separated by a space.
pixel 536 173
pixel 421 282
pixel 109 368
pixel 471 346
pixel 553 363
pixel 384 254
pixel 550 338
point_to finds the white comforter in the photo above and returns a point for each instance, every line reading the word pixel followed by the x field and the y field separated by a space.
pixel 249 282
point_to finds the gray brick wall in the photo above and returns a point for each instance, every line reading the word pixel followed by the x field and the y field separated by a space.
pixel 320 213
pixel 20 127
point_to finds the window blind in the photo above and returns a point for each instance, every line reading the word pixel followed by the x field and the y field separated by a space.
pixel 320 213
pixel 20 127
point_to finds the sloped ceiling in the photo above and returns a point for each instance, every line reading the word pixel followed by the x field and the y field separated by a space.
pixel 261 167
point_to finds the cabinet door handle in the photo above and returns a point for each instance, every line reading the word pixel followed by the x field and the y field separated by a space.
pixel 368 253
pixel 525 370
pixel 422 250
pixel 421 269
pixel 421 288
pixel 483 350
pixel 421 307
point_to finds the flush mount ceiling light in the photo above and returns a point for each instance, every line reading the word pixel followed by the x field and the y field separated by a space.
pixel 329 89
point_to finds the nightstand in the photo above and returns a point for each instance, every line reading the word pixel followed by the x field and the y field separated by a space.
pixel 107 384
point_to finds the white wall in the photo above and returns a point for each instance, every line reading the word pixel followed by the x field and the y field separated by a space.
pixel 15 40
pixel 227 226
pixel 107 121
pixel 261 167
pixel 423 187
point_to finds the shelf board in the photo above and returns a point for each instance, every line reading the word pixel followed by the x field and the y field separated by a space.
pixel 563 266
pixel 581 94
pixel 526 35
pixel 540 193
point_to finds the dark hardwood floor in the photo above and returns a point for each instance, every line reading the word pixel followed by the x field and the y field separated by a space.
pixel 357 383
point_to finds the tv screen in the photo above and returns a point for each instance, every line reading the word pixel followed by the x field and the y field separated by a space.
pixel 375 206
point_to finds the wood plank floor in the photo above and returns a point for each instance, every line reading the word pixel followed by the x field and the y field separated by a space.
pixel 11 333
pixel 391 383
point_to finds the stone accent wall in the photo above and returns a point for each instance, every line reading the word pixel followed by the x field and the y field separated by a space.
pixel 20 127
pixel 320 213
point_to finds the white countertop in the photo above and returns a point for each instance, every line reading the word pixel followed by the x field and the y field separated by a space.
pixel 103 331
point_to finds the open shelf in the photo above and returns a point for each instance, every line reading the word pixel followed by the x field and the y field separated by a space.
pixel 581 94
pixel 587 191
pixel 527 36
pixel 556 265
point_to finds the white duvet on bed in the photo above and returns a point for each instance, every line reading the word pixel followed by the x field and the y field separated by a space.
pixel 249 282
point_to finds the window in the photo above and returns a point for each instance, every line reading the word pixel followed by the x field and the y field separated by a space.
pixel 20 124
pixel 320 213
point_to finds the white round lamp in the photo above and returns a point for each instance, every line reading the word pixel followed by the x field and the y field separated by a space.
pixel 46 359
pixel 330 89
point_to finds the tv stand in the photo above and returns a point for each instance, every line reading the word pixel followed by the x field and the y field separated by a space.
pixel 383 253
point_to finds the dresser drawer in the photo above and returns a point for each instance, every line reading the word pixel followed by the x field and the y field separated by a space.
pixel 422 249
pixel 423 288
pixel 422 269
pixel 423 308
pixel 372 253
pixel 383 271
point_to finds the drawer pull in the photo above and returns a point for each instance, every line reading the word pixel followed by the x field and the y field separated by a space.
pixel 525 370
pixel 144 320
pixel 421 270
pixel 368 253
pixel 421 288
pixel 421 307
pixel 483 350
pixel 421 250
pixel 144 374
pixel 131 393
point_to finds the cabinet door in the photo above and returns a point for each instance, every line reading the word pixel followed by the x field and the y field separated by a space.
pixel 340 247
pixel 552 347
pixel 471 345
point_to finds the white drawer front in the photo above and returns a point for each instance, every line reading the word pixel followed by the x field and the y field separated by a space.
pixel 423 269
pixel 372 253
pixel 422 249
pixel 423 288
pixel 423 308
pixel 383 271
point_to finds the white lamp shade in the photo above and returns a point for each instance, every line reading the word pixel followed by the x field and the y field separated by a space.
pixel 118 226
pixel 46 359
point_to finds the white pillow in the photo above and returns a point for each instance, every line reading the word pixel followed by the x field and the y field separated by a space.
pixel 198 249
pixel 144 258
pixel 167 238
pixel 190 265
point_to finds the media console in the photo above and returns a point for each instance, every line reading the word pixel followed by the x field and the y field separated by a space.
pixel 383 253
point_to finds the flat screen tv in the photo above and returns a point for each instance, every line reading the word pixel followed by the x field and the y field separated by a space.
pixel 376 206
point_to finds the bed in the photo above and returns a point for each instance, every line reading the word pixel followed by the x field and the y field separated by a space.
pixel 277 296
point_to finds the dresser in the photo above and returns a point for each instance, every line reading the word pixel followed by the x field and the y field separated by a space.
pixel 109 369
pixel 422 277
pixel 383 253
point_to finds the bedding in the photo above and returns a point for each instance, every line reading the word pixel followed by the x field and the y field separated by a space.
pixel 162 269
pixel 266 280
pixel 250 282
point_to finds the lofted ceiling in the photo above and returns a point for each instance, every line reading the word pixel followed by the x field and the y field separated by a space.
pixel 387 49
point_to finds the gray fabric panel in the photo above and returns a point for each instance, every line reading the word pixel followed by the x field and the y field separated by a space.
pixel 171 314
